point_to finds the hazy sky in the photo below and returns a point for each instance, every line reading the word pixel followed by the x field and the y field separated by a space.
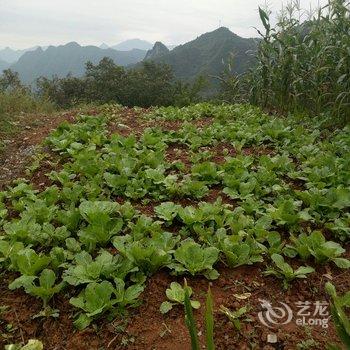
pixel 25 23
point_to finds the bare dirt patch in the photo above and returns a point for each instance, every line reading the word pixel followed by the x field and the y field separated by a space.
pixel 178 153
pixel 146 328
pixel 21 146
pixel 215 193
pixel 203 122
pixel 129 121
pixel 39 178
pixel 258 151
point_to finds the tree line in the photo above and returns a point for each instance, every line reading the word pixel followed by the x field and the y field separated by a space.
pixel 149 84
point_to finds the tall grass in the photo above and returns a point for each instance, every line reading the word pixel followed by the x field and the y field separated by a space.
pixel 304 65
pixel 190 321
pixel 15 102
pixel 209 321
pixel 18 101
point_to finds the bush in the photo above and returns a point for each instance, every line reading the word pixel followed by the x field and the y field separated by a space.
pixel 148 84
pixel 20 101
pixel 16 99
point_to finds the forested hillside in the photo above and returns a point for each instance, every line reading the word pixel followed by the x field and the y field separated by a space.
pixel 208 54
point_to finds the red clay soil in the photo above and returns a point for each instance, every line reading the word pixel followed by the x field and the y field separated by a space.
pixel 258 151
pixel 146 328
pixel 134 122
pixel 214 193
pixel 39 178
pixel 177 152
pixel 21 146
pixel 127 123
pixel 130 122
pixel 220 152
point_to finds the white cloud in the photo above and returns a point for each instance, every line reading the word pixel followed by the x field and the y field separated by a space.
pixel 25 23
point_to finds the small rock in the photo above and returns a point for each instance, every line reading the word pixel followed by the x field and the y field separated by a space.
pixel 236 304
pixel 272 338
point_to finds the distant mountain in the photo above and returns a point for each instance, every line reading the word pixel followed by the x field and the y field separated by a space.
pixel 133 44
pixel 104 46
pixel 157 51
pixel 11 56
pixel 3 65
pixel 69 58
pixel 207 54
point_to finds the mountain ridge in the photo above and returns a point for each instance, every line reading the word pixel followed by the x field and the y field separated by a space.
pixel 158 50
pixel 12 55
pixel 131 44
pixel 207 54
pixel 68 59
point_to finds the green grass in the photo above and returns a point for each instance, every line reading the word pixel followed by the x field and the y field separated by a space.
pixel 18 102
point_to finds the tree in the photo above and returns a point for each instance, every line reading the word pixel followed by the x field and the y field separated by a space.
pixel 64 92
pixel 187 93
pixel 106 82
pixel 151 85
pixel 10 81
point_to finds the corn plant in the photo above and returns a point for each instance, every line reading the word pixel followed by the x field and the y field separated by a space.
pixel 190 321
pixel 340 319
pixel 303 62
pixel 208 320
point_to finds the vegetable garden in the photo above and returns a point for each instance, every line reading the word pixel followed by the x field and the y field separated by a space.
pixel 118 208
